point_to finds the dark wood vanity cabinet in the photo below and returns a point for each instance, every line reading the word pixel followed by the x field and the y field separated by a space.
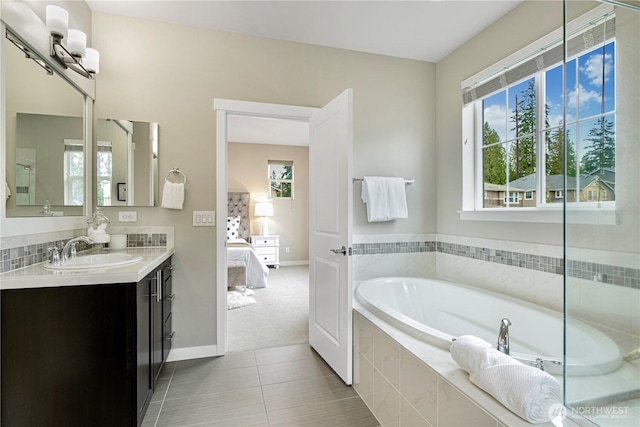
pixel 81 355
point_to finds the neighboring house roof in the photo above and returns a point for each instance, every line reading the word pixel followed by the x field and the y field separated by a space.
pixel 554 182
pixel 501 187
pixel 606 177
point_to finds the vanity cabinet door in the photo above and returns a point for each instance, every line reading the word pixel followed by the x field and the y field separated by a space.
pixel 167 294
pixel 67 356
pixel 156 329
pixel 143 371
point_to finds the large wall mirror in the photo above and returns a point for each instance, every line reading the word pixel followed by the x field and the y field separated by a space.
pixel 44 137
pixel 127 163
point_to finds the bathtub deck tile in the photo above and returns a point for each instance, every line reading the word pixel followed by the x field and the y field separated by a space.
pixel 456 410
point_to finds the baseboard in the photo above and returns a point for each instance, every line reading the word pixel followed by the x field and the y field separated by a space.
pixel 293 263
pixel 187 353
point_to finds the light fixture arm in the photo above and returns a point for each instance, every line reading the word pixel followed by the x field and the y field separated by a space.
pixel 66 58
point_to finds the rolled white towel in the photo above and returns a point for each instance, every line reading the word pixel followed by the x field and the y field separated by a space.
pixel 527 391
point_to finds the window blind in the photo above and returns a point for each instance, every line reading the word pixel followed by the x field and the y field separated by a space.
pixel 583 40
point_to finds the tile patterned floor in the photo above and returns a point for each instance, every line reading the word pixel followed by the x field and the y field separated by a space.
pixel 282 386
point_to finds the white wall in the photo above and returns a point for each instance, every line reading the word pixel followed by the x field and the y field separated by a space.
pixel 170 74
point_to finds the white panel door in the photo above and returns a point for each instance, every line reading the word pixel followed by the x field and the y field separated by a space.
pixel 330 216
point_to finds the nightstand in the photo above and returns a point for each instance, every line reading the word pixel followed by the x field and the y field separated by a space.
pixel 268 249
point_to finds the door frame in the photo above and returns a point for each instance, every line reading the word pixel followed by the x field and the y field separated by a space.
pixel 223 108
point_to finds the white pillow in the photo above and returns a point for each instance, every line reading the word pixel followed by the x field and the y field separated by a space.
pixel 233 227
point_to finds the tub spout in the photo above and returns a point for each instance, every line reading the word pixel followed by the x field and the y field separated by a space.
pixel 503 336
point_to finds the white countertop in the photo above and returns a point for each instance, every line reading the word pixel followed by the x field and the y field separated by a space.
pixel 36 276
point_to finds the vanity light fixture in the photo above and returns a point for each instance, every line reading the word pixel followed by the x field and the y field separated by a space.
pixel 75 54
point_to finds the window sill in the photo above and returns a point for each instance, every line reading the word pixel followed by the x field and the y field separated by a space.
pixel 602 216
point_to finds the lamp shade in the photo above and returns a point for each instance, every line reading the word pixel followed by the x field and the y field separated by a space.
pixel 264 209
pixel 57 20
pixel 91 60
pixel 77 43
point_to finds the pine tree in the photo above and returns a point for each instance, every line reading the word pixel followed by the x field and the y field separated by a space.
pixel 602 151
pixel 494 158
pixel 554 164
pixel 523 150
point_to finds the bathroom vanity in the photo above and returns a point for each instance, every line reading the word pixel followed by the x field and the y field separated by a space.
pixel 84 348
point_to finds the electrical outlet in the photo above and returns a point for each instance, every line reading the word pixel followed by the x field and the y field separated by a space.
pixel 204 218
pixel 286 250
pixel 127 216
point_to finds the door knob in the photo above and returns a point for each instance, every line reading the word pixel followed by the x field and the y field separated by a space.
pixel 342 250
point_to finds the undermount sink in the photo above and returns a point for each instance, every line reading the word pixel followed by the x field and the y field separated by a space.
pixel 95 261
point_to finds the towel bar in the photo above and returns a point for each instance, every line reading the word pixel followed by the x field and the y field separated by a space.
pixel 406 181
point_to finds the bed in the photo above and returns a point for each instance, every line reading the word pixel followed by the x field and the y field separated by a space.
pixel 238 236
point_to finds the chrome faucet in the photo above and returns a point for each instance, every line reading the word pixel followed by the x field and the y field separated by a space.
pixel 69 249
pixel 503 336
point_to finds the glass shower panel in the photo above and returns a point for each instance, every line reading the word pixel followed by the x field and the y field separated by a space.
pixel 602 224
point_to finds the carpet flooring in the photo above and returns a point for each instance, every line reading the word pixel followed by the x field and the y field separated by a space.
pixel 280 316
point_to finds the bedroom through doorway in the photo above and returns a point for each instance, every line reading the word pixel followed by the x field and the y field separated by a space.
pixel 273 312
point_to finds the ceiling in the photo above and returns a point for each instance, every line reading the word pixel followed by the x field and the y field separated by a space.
pixel 425 30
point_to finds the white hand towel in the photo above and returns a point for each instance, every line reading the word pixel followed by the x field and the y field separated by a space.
pixel 527 391
pixel 173 195
pixel 7 191
pixel 385 198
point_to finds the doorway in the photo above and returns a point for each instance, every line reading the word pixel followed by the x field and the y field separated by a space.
pixel 227 112
pixel 330 222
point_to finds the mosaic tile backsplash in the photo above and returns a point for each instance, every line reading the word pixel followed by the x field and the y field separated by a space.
pixel 24 256
pixel 610 274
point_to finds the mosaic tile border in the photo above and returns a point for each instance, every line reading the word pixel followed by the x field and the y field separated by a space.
pixel 393 248
pixel 24 256
pixel 603 273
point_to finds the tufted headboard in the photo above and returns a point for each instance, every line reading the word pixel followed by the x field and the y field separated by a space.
pixel 238 205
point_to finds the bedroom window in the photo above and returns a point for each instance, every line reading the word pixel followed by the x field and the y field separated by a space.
pixel 513 131
pixel 280 175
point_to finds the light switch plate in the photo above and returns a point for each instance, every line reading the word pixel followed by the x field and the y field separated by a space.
pixel 204 218
pixel 130 216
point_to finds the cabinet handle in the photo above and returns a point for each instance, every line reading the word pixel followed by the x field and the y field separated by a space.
pixel 169 336
pixel 170 297
pixel 158 285
pixel 171 267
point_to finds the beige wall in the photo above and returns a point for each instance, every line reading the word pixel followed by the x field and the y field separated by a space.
pixel 170 74
pixel 522 26
pixel 247 171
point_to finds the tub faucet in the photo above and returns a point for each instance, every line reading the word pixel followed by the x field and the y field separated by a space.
pixel 503 336
pixel 69 248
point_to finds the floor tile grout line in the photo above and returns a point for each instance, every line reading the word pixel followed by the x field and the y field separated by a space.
pixel 165 395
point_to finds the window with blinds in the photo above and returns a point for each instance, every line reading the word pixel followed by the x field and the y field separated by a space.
pixel 516 120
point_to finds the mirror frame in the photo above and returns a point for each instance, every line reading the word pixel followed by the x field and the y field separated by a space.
pixel 22 21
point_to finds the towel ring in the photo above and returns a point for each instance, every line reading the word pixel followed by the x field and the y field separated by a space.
pixel 176 171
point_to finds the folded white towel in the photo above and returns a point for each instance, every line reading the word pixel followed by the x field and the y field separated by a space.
pixel 385 198
pixel 527 391
pixel 173 195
